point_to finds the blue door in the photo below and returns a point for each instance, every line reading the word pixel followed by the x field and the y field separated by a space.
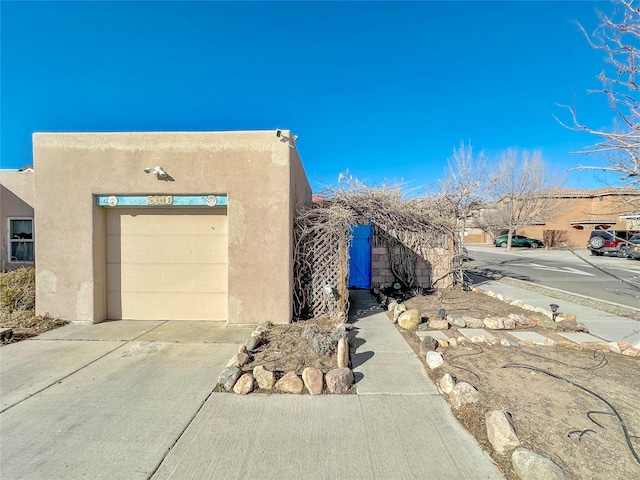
pixel 360 257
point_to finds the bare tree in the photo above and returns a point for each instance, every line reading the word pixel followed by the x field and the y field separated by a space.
pixel 489 219
pixel 524 191
pixel 462 194
pixel 618 36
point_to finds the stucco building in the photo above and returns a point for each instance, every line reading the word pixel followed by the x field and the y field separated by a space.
pixel 177 226
pixel 580 211
pixel 16 218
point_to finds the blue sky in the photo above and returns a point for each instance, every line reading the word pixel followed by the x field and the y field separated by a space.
pixel 384 89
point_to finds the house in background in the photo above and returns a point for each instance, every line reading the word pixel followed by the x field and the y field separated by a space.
pixel 16 218
pixel 580 212
pixel 177 226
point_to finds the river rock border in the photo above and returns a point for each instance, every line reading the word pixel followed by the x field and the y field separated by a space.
pixel 500 428
pixel 312 381
pixel 564 322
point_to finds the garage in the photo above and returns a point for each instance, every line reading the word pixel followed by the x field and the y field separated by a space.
pixel 167 263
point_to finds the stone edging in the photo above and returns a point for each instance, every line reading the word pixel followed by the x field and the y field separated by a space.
pixel 232 378
pixel 620 347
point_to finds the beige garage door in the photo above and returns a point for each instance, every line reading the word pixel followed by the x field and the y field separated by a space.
pixel 167 263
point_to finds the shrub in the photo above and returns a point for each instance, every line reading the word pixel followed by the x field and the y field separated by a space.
pixel 323 343
pixel 18 290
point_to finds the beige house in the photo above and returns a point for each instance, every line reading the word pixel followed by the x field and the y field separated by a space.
pixel 580 212
pixel 177 226
pixel 16 218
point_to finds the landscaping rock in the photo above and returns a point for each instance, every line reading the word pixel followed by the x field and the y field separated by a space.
pixel 290 383
pixel 339 380
pixel 266 379
pixel 438 324
pixel 409 319
pixel 631 352
pixel 424 325
pixel 494 323
pixel 545 322
pixel 260 329
pixel 501 432
pixel 447 383
pixel 565 316
pixel 392 305
pixel 434 360
pixel 239 360
pixel 613 346
pixel 463 393
pixel 242 349
pixel 5 333
pixel 253 343
pixel 398 311
pixel 517 303
pixel 244 385
pixel 521 320
pixel 473 322
pixel 479 339
pixel 531 466
pixel 313 380
pixel 428 344
pixel 571 326
pixel 456 321
pixel 343 353
pixel 228 377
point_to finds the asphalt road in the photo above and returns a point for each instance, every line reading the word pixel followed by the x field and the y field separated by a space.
pixel 604 278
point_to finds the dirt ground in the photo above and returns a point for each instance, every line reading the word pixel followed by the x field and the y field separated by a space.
pixel 550 414
pixel 285 349
pixel 25 324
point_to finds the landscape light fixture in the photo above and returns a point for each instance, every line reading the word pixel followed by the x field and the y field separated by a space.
pixel 554 311
pixel 442 313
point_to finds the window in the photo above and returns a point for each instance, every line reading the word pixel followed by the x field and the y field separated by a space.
pixel 21 240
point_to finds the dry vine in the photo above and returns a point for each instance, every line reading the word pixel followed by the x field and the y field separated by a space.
pixel 409 228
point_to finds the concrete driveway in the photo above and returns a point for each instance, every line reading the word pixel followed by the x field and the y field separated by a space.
pixel 133 400
pixel 108 400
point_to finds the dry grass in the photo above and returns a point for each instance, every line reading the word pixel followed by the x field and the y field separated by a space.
pixel 17 306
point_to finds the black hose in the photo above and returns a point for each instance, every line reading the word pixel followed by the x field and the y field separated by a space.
pixel 591 392
pixel 449 360
pixel 603 361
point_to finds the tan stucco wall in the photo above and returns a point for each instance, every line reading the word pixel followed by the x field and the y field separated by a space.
pixel 254 169
pixel 16 200
pixel 575 209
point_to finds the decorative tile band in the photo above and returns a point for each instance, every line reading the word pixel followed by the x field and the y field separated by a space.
pixel 161 200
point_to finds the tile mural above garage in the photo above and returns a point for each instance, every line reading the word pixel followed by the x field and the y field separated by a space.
pixel 161 200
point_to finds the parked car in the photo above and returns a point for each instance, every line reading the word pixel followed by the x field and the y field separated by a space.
pixel 610 241
pixel 519 241
pixel 633 247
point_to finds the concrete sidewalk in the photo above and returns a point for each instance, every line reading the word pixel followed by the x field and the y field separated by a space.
pixel 397 427
pixel 601 324
pixel 134 400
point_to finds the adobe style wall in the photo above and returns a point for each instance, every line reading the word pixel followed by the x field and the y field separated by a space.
pixel 606 207
pixel 16 200
pixel 261 175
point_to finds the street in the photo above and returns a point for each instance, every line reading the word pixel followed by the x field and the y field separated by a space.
pixel 606 278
